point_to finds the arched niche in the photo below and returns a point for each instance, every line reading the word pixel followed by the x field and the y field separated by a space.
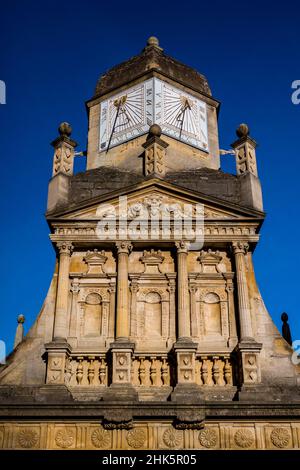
pixel 153 314
pixel 212 314
pixel 93 315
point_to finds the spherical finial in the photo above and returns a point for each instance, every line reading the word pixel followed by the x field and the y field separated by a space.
pixel 21 319
pixel 155 131
pixel 242 130
pixel 284 317
pixel 65 129
pixel 153 41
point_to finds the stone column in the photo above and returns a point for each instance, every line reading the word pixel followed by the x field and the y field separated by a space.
pixel 248 349
pixel 185 349
pixel 183 291
pixel 122 348
pixel 61 308
pixel 240 249
pixel 122 320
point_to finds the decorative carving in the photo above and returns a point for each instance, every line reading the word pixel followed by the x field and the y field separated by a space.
pixel 136 438
pixel 211 262
pixel 280 437
pixel 208 438
pixel 64 438
pixel 182 246
pixel 172 437
pixel 189 419
pixel 27 438
pixel 124 247
pixel 117 419
pixel 95 261
pixel 244 438
pixel 152 260
pixel 101 438
pixel 1 438
pixel 240 247
pixel 65 248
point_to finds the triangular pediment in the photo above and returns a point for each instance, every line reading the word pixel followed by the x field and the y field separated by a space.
pixel 156 196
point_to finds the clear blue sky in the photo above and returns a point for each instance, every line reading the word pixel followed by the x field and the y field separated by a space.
pixel 51 56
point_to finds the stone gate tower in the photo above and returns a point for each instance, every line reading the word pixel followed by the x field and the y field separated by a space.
pixel 153 334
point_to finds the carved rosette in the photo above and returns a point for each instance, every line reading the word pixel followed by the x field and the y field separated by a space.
pixel 27 438
pixel 136 438
pixel 244 438
pixel 64 438
pixel 280 437
pixel 101 438
pixel 208 438
pixel 172 438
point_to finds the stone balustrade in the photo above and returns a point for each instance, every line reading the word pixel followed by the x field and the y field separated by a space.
pixel 151 370
pixel 86 370
pixel 214 370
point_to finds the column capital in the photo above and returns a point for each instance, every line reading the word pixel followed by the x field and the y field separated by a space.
pixel 182 246
pixel 124 247
pixel 65 248
pixel 240 247
pixel 75 286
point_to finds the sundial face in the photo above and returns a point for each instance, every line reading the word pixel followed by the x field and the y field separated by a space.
pixel 130 113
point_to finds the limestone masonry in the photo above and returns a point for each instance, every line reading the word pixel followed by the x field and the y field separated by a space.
pixel 153 334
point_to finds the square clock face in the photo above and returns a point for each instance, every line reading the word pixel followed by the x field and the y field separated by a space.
pixel 129 114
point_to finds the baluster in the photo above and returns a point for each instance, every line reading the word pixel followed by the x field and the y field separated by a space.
pixel 204 371
pixel 216 370
pixel 142 371
pixel 227 372
pixel 91 371
pixel 200 370
pixel 102 371
pixel 68 371
pixel 153 371
pixel 164 371
pixel 79 371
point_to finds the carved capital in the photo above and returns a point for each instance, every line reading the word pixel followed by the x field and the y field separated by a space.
pixel 240 247
pixel 182 246
pixel 65 248
pixel 75 286
pixel 124 247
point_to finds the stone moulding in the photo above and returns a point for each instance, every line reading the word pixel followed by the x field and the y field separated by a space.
pixel 154 434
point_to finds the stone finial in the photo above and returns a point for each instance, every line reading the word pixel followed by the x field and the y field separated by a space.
pixel 286 331
pixel 153 42
pixel 244 149
pixel 63 160
pixel 65 129
pixel 242 130
pixel 155 152
pixel 20 330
